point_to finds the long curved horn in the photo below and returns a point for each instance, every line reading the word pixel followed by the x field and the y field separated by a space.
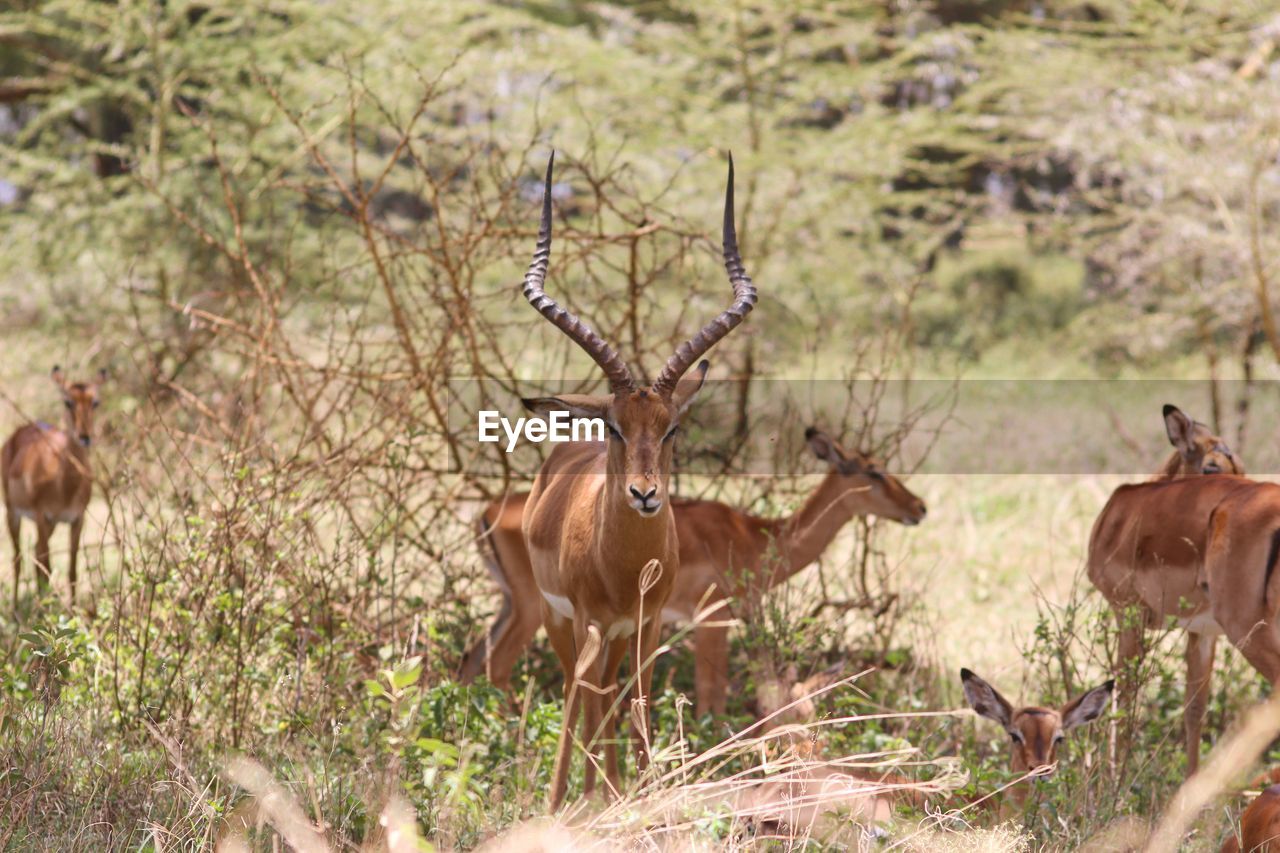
pixel 744 299
pixel 578 332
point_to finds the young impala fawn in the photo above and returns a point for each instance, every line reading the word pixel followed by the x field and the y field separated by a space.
pixel 725 553
pixel 1034 731
pixel 1146 551
pixel 598 525
pixel 47 477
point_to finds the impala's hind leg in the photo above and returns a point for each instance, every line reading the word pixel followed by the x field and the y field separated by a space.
pixel 1131 622
pixel 15 536
pixel 711 668
pixel 1200 651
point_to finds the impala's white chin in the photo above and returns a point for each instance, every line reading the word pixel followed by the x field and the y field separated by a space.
pixel 646 509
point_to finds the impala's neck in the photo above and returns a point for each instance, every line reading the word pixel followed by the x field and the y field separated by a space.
pixel 801 538
pixel 74 448
pixel 1172 469
pixel 626 540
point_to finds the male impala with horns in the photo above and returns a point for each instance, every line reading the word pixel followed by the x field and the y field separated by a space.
pixel 598 522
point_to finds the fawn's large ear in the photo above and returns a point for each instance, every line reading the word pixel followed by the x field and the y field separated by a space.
pixel 1182 432
pixel 1087 707
pixel 822 446
pixel 688 387
pixel 578 405
pixel 986 700
pixel 59 378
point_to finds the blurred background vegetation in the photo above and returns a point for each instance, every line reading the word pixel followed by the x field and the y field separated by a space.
pixel 285 226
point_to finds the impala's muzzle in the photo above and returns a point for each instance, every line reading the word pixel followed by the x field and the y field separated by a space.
pixel 646 503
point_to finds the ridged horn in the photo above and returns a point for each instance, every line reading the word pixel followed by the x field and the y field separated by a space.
pixel 744 299
pixel 580 333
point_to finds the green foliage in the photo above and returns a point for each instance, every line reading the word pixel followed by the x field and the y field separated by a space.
pixel 985 298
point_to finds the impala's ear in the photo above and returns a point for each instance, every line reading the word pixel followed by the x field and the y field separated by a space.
pixel 1181 430
pixel 986 700
pixel 823 446
pixel 58 377
pixel 1087 707
pixel 578 405
pixel 688 387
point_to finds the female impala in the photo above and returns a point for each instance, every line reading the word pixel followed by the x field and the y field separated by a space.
pixel 1146 548
pixel 723 554
pixel 598 517
pixel 47 477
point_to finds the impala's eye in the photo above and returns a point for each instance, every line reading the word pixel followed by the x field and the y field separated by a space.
pixel 70 405
pixel 671 433
pixel 1017 736
pixel 613 431
pixel 1059 738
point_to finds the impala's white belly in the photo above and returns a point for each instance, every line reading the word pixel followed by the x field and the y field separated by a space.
pixel 1202 623
pixel 672 616
pixel 562 606
pixel 621 628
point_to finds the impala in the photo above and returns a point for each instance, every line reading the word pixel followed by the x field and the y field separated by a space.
pixel 47 477
pixel 1034 731
pixel 1240 574
pixel 1146 549
pixel 725 553
pixel 598 523
pixel 1259 825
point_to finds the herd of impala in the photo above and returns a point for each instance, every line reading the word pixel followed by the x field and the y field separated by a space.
pixel 602 557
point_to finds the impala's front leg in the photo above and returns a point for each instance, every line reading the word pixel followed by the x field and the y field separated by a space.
pixel 609 724
pixel 589 681
pixel 76 527
pixel 560 632
pixel 650 634
pixel 44 529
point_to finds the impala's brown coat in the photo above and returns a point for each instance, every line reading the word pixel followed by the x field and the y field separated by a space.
pixel 47 477
pixel 724 553
pixel 1240 573
pixel 1147 548
pixel 1259 825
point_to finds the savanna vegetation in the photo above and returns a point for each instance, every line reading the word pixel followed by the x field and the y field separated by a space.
pixel 293 234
